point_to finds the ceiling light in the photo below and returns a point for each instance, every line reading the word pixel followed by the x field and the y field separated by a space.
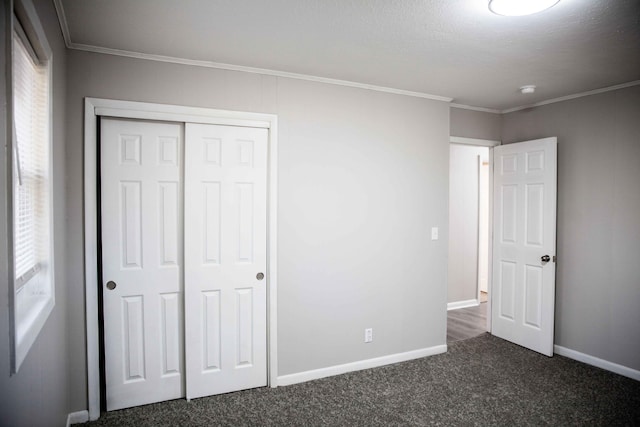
pixel 519 7
pixel 528 89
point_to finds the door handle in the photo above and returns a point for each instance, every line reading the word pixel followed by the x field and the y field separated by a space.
pixel 111 285
pixel 260 276
pixel 545 258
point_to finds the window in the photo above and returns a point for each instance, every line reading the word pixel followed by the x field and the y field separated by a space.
pixel 32 294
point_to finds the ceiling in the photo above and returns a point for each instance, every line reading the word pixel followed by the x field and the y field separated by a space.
pixel 449 48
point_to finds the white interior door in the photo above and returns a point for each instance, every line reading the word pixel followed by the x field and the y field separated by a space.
pixel 225 258
pixel 524 243
pixel 141 199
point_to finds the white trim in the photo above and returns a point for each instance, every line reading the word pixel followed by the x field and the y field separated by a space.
pixel 462 304
pixel 597 362
pixel 574 96
pixel 95 107
pixel 474 141
pixel 548 101
pixel 479 165
pixel 186 118
pixel 490 258
pixel 34 30
pixel 316 374
pixel 253 70
pixel 272 254
pixel 472 108
pixel 77 417
pixel 152 111
pixel 91 258
pixel 62 19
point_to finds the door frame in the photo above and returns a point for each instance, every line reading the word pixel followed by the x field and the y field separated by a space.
pixel 488 183
pixel 490 144
pixel 95 107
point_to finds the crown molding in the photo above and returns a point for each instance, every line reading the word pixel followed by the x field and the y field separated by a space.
pixel 254 70
pixel 476 142
pixel 472 108
pixel 574 96
pixel 62 19
pixel 547 101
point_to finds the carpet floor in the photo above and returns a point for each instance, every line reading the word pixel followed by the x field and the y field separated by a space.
pixel 480 381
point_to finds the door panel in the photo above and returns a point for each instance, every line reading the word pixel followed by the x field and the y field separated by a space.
pixel 225 249
pixel 141 182
pixel 525 231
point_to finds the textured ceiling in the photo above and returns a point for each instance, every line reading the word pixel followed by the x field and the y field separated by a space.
pixel 451 48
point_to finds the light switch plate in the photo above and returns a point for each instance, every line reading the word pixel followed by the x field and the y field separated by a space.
pixel 434 233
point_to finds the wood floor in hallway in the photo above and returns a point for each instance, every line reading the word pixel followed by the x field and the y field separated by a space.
pixel 465 323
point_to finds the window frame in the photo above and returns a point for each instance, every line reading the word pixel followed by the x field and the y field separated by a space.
pixel 27 323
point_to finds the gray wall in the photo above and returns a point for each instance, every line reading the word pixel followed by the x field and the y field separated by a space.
pixel 598 243
pixel 475 124
pixel 363 176
pixel 38 394
pixel 463 221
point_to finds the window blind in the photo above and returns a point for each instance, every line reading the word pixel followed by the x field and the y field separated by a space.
pixel 31 165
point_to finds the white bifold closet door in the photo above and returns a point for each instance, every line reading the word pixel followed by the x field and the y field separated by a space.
pixel 183 259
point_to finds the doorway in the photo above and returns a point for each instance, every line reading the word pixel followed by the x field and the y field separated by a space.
pixel 468 300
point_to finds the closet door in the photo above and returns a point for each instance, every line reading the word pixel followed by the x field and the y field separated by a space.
pixel 225 258
pixel 141 207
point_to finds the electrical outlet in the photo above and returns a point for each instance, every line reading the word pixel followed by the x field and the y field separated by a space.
pixel 368 335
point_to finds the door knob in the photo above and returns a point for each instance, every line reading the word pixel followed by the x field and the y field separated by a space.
pixel 545 258
pixel 111 285
pixel 260 276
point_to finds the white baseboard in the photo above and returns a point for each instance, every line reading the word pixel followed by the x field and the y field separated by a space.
pixel 77 417
pixel 462 304
pixel 597 362
pixel 360 365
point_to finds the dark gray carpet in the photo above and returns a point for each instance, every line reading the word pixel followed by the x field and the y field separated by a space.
pixel 480 381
